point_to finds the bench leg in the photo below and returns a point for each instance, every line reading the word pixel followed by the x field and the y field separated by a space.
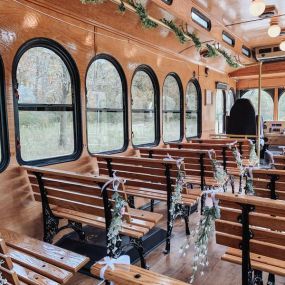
pixel 257 277
pixel 50 226
pixel 240 184
pixel 232 181
pixel 271 279
pixel 151 205
pixel 77 227
pixel 186 210
pixel 138 245
pixel 131 202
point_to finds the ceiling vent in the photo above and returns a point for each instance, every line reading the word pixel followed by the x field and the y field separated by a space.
pixel 269 53
pixel 269 12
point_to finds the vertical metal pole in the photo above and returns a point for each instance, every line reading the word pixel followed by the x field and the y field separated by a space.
pixel 259 112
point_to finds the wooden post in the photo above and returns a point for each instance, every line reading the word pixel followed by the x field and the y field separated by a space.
pixel 259 112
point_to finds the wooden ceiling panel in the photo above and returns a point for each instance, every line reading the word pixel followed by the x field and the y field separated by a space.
pixel 236 17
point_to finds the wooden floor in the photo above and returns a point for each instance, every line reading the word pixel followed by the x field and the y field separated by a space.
pixel 175 265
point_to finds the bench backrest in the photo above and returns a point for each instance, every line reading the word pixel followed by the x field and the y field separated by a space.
pixel 6 265
pixel 242 144
pixel 197 162
pixel 279 162
pixel 269 183
pixel 72 191
pixel 156 174
pixel 252 223
pixel 223 153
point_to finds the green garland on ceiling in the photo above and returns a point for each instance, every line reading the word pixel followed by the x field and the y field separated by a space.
pixel 177 31
pixel 207 51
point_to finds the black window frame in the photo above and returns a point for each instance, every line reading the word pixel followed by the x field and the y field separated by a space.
pixel 203 17
pixel 5 159
pixel 168 2
pixel 230 37
pixel 199 109
pixel 70 63
pixel 150 72
pixel 123 78
pixel 243 49
pixel 181 100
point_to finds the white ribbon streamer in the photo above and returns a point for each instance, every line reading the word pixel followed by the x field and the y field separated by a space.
pixel 179 161
pixel 109 262
pixel 117 181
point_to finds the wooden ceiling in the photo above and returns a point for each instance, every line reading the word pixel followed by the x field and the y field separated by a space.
pixel 235 15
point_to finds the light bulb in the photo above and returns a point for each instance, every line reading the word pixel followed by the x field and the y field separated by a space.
pixel 282 46
pixel 274 31
pixel 257 7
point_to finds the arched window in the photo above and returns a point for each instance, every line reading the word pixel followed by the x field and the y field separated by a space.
pixel 281 105
pixel 4 149
pixel 145 106
pixel 47 101
pixel 172 108
pixel 193 109
pixel 267 105
pixel 106 90
pixel 230 100
pixel 220 112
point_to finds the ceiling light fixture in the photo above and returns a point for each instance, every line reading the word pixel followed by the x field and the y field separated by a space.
pixel 274 29
pixel 257 7
pixel 282 46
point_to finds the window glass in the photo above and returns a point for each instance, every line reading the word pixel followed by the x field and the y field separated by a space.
pixel 220 112
pixel 267 105
pixel 192 109
pixel 281 107
pixel 230 101
pixel 171 109
pixel 45 105
pixel 105 111
pixel 143 109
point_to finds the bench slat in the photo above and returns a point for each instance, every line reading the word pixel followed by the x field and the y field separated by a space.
pixel 52 254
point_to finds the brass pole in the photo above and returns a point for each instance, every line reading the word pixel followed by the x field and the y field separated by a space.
pixel 259 112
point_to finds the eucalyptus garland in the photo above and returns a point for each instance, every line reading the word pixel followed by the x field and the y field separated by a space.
pixel 219 173
pixel 113 236
pixel 203 233
pixel 229 59
pixel 209 50
pixel 3 281
pixel 178 31
pixel 176 198
pixel 238 160
pixel 145 20
pixel 253 158
pixel 249 190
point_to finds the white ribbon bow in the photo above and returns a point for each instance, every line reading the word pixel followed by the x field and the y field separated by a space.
pixel 116 182
pixel 109 262
pixel 210 153
pixel 179 161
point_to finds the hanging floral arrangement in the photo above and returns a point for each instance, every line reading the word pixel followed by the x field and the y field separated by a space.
pixel 237 157
pixel 119 206
pixel 3 281
pixel 203 233
pixel 219 173
pixel 249 190
pixel 253 158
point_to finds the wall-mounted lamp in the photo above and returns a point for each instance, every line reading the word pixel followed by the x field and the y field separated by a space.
pixel 257 7
pixel 274 29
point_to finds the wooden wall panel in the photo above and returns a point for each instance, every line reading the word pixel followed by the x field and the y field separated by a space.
pixel 21 21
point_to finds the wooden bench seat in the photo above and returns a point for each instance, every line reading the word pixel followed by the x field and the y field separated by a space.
pixel 279 162
pixel 30 261
pixel 81 199
pixel 133 275
pixel 253 229
pixel 151 179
